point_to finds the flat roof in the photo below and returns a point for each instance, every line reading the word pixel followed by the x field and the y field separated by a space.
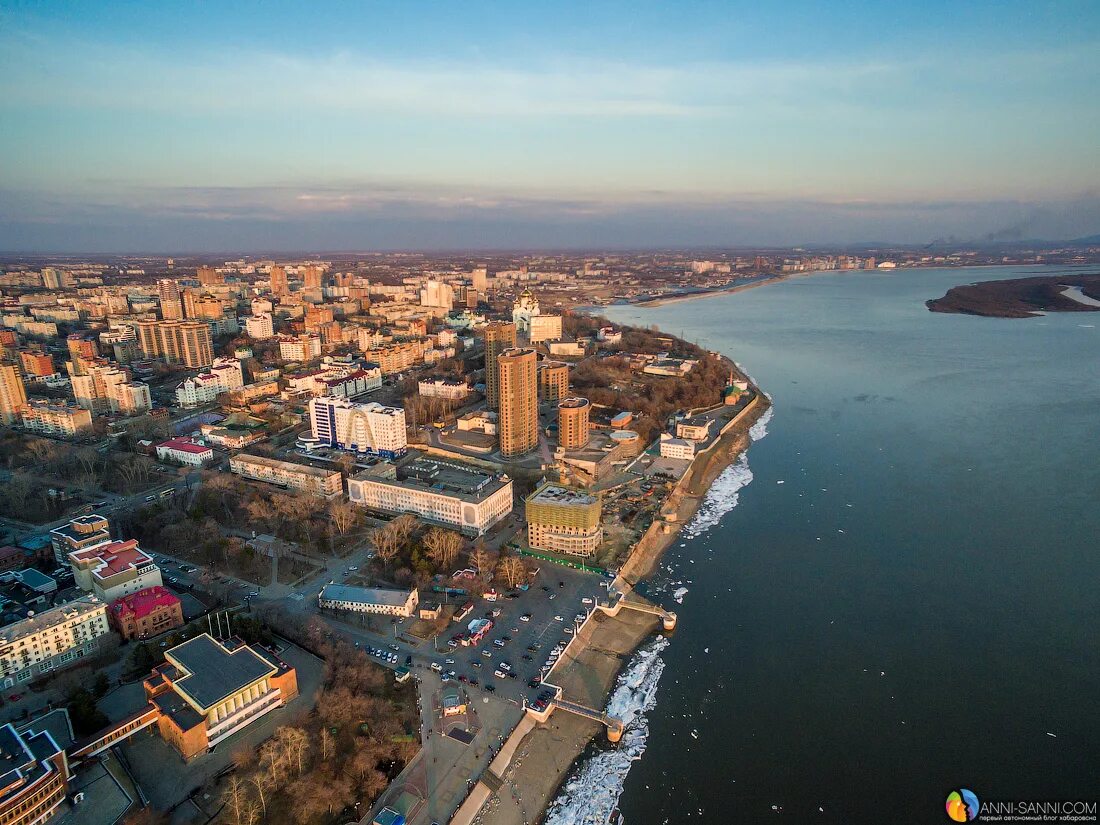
pixel 438 476
pixel 215 672
pixel 365 595
pixel 566 496
pixel 51 617
pixel 287 466
pixel 113 557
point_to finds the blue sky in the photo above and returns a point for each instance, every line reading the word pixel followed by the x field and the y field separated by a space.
pixel 224 126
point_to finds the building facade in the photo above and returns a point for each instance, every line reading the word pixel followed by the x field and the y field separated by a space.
pixel 13 395
pixel 563 520
pixel 114 569
pixel 363 428
pixel 553 380
pixel 184 451
pixel 51 640
pixel 63 420
pixel 36 776
pixel 573 423
pixel 499 336
pixel 176 342
pixel 146 613
pixel 442 492
pixel 519 406
pixel 314 480
pixel 378 600
pixel 79 534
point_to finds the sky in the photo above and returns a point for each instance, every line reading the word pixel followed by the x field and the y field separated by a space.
pixel 203 127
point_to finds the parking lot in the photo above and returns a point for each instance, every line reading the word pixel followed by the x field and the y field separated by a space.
pixel 556 592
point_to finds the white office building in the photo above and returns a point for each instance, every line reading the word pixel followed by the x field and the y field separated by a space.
pixel 363 428
pixel 260 326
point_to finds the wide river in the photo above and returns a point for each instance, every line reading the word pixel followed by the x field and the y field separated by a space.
pixel 906 597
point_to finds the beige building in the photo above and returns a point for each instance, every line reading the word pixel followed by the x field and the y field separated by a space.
pixel 56 419
pixel 171 307
pixel 563 520
pixel 13 396
pixel 573 423
pixel 315 480
pixel 114 569
pixel 380 600
pixel 51 640
pixel 176 342
pixel 519 405
pixel 553 380
pixel 499 336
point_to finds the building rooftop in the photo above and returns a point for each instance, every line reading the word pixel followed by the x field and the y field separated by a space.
pixel 142 603
pixel 211 671
pixel 49 618
pixel 23 759
pixel 561 496
pixel 184 445
pixel 111 558
pixel 287 466
pixel 435 475
pixel 365 595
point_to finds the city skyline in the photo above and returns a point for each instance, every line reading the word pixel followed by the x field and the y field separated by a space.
pixel 169 129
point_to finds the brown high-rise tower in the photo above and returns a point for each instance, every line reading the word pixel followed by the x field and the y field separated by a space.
pixel 519 403
pixel 499 336
pixel 573 423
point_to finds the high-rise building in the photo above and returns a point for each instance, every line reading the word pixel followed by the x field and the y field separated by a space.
pixel 573 423
pixel 499 336
pixel 81 350
pixel 56 278
pixel 171 307
pixel 208 276
pixel 177 342
pixel 519 406
pixel 363 428
pixel 479 279
pixel 62 420
pixel 437 294
pixel 312 277
pixel 553 380
pixel 279 285
pixel 563 520
pixel 13 397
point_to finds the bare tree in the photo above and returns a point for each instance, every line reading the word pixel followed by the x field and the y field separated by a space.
pixel 261 781
pixel 513 571
pixel 344 516
pixel 404 526
pixel 236 801
pixel 481 559
pixel 295 745
pixel 326 744
pixel 385 542
pixel 271 758
pixel 443 545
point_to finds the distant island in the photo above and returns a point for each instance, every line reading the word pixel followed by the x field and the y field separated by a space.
pixel 1023 297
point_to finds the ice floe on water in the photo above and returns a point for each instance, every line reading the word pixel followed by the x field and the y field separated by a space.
pixel 592 791
pixel 721 497
pixel 679 593
pixel 760 429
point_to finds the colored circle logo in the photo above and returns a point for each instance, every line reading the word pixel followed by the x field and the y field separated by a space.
pixel 962 805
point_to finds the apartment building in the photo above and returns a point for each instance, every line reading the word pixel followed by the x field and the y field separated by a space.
pixel 176 342
pixel 398 356
pixel 519 408
pixel 114 569
pixel 225 375
pixel 315 480
pixel 499 336
pixel 13 395
pixel 62 420
pixel 553 378
pixel 573 427
pixel 450 389
pixel 303 347
pixel 260 326
pixel 563 520
pixel 51 640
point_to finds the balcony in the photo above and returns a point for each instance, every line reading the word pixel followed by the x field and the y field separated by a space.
pixel 239 718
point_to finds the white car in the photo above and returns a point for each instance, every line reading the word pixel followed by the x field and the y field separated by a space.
pixel 437 667
pixel 558 619
pixel 500 674
pixel 568 631
pixel 448 661
pixel 525 618
pixel 353 569
pixel 586 600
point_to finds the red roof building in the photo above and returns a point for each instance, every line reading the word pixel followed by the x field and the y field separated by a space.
pixel 146 613
pixel 184 451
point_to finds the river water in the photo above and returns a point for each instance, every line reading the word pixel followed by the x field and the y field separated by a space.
pixel 897 593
